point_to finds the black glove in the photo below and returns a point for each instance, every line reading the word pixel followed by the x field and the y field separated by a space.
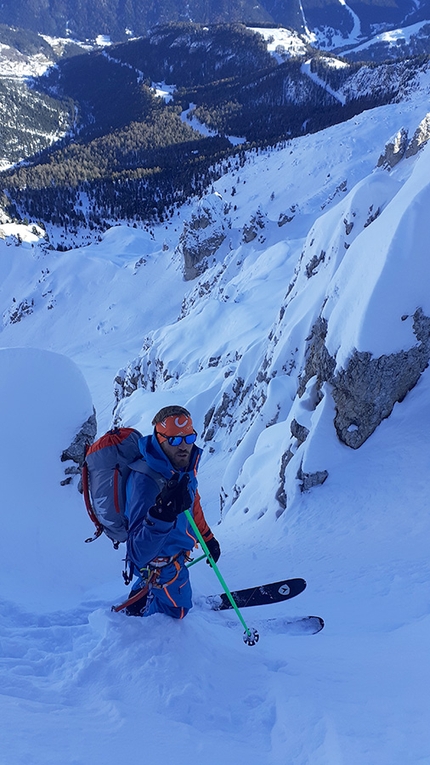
pixel 172 500
pixel 214 549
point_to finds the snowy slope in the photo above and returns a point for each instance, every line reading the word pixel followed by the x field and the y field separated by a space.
pixel 93 304
pixel 82 685
pixel 392 43
pixel 283 43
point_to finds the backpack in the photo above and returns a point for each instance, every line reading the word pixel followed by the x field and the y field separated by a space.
pixel 105 472
pixel 106 468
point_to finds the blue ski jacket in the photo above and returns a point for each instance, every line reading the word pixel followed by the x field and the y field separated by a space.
pixel 150 538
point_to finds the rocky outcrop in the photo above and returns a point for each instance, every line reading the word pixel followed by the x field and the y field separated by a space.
pixel 366 391
pixel 400 146
pixel 318 361
pixel 285 217
pixel 364 394
pixel 203 234
pixel 281 494
pixel 76 451
pixel 221 416
pixel 394 150
pixel 308 481
pixel 18 311
pixel 420 137
pixel 254 228
pixel 299 432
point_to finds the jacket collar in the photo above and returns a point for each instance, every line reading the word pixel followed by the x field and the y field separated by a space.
pixel 157 460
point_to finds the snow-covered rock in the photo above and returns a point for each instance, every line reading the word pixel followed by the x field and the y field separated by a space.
pixel 420 137
pixel 203 234
pixel 394 150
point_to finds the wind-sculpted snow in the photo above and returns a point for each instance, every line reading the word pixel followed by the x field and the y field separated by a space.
pixel 45 402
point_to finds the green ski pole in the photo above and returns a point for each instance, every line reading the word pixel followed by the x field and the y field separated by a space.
pixel 251 636
pixel 196 560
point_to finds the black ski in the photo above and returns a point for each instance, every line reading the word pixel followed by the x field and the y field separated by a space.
pixel 274 592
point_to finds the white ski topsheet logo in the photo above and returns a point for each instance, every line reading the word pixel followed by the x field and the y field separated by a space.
pixel 284 589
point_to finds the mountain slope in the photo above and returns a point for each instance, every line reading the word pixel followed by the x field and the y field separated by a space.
pixel 120 20
pixel 141 159
pixel 236 345
pixel 31 121
pixel 329 20
pixel 326 347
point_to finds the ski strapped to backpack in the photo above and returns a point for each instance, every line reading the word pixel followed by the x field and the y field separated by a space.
pixel 105 471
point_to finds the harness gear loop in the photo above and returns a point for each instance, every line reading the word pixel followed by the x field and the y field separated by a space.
pixel 149 575
pixel 154 583
pixel 174 560
pixel 146 573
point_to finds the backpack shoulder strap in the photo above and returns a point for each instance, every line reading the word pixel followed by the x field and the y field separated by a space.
pixel 140 466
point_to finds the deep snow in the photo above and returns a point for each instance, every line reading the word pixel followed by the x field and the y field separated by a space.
pixel 82 686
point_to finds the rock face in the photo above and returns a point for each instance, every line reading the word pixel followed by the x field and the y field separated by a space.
pixel 298 431
pixel 400 146
pixel 420 137
pixel 76 451
pixel 203 234
pixel 308 481
pixel 394 150
pixel 367 389
pixel 18 311
pixel 254 228
pixel 318 361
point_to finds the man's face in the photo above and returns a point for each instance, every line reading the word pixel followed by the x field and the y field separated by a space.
pixel 179 456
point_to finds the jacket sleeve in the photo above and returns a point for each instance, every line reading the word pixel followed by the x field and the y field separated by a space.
pixel 200 519
pixel 146 536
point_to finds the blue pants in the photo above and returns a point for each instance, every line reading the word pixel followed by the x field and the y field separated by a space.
pixel 171 592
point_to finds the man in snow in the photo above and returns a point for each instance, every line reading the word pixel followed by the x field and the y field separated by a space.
pixel 162 484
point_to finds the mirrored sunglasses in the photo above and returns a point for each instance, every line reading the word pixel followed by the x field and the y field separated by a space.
pixel 177 440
